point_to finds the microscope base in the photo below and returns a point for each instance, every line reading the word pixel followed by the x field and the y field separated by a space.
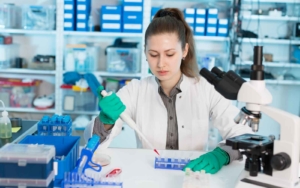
pixel 262 180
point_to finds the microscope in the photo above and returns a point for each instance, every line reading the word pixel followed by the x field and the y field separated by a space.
pixel 269 162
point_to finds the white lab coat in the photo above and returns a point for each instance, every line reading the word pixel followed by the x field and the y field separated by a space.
pixel 196 105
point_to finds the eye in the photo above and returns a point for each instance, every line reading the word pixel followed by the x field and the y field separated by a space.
pixel 170 55
pixel 153 55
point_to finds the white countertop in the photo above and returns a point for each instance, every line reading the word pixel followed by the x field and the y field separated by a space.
pixel 138 169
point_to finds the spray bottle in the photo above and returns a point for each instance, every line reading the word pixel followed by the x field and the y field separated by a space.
pixel 5 124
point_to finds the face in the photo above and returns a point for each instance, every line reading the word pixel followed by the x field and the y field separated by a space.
pixel 164 54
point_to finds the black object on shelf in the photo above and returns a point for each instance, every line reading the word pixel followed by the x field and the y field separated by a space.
pixel 120 44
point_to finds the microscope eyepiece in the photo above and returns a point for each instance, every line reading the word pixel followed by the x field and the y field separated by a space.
pixel 210 77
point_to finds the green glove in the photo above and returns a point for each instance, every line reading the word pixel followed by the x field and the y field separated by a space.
pixel 111 107
pixel 211 162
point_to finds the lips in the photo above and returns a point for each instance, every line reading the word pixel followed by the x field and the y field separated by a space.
pixel 162 73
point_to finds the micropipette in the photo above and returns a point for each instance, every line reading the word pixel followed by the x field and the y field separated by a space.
pixel 126 118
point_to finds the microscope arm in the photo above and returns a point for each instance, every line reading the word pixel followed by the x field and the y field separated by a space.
pixel 289 139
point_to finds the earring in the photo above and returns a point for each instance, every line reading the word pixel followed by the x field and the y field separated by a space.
pixel 146 59
pixel 183 58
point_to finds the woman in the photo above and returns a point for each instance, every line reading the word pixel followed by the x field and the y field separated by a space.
pixel 172 108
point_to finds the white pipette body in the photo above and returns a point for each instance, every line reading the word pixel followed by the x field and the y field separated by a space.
pixel 126 118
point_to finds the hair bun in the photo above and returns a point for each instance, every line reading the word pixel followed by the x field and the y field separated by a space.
pixel 164 13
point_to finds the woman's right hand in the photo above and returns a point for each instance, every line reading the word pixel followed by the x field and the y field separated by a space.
pixel 111 107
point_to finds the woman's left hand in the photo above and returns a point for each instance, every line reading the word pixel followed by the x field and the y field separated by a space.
pixel 211 162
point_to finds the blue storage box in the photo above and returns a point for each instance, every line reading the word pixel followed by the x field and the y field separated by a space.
pixel 69 6
pixel 82 26
pixel 132 9
pixel 222 32
pixel 211 31
pixel 192 26
pixel 67 152
pixel 69 15
pixel 211 22
pixel 133 27
pixel 133 2
pixel 190 20
pixel 132 17
pixel 154 10
pixel 200 13
pixel 199 30
pixel 223 23
pixel 111 14
pixel 189 12
pixel 17 160
pixel 212 13
pixel 111 27
pixel 83 7
pixel 28 183
pixel 201 22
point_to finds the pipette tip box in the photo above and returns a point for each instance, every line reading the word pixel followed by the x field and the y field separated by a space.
pixel 74 180
pixel 170 163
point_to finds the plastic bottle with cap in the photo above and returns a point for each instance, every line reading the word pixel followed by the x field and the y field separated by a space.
pixel 5 124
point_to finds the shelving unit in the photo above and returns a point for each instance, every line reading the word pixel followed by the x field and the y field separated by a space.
pixel 27 32
pixel 279 82
pixel 274 64
pixel 30 110
pixel 208 38
pixel 103 34
pixel 271 18
pixel 271 1
pixel 269 41
pixel 27 71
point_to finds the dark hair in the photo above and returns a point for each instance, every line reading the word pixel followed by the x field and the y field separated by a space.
pixel 171 20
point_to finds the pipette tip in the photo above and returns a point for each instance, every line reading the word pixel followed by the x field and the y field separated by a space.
pixel 156 152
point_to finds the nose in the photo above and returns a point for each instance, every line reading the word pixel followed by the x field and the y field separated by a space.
pixel 161 63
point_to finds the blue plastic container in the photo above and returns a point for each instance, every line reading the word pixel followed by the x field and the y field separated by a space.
pixel 67 152
pixel 16 161
pixel 56 125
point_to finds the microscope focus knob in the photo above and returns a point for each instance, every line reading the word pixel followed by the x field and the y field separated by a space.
pixel 281 161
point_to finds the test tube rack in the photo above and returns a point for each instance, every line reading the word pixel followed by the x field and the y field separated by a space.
pixel 170 163
pixel 196 179
pixel 55 126
pixel 74 180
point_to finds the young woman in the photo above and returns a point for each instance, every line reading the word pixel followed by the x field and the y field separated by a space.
pixel 173 107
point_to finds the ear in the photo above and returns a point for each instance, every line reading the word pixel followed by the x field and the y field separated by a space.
pixel 185 50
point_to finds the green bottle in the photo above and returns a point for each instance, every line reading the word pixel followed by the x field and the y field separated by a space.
pixel 5 126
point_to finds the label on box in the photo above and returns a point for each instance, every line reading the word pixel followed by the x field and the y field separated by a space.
pixel 201 11
pixel 111 7
pixel 111 16
pixel 212 21
pixel 200 20
pixel 81 16
pixel 133 8
pixel 190 11
pixel 223 21
pixel 68 16
pixel 199 29
pixel 67 24
pixel 133 1
pixel 81 0
pixel 213 11
pixel 81 25
pixel 132 17
pixel 111 26
pixel 55 167
pixel 189 20
pixel 68 7
pixel 211 29
pixel 81 7
pixel 133 26
pixel 222 30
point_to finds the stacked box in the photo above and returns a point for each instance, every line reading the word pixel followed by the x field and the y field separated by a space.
pixel 189 16
pixel 70 15
pixel 223 27
pixel 200 22
pixel 211 22
pixel 111 18
pixel 83 10
pixel 132 16
pixel 17 160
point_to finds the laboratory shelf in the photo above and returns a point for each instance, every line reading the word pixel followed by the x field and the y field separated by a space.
pixel 280 82
pixel 103 34
pixel 110 74
pixel 211 38
pixel 270 18
pixel 269 41
pixel 33 110
pixel 82 112
pixel 271 1
pixel 273 64
pixel 27 71
pixel 28 32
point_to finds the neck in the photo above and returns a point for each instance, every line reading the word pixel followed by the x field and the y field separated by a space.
pixel 168 85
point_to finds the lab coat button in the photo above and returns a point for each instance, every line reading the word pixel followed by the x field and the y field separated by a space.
pixel 170 101
pixel 171 117
pixel 180 97
pixel 182 126
pixel 171 134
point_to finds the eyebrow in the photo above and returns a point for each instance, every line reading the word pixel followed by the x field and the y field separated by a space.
pixel 165 50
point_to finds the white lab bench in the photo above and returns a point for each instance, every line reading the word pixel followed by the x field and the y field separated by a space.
pixel 138 169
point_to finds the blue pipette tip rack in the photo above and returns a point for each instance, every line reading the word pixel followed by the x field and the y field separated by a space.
pixel 74 180
pixel 170 163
